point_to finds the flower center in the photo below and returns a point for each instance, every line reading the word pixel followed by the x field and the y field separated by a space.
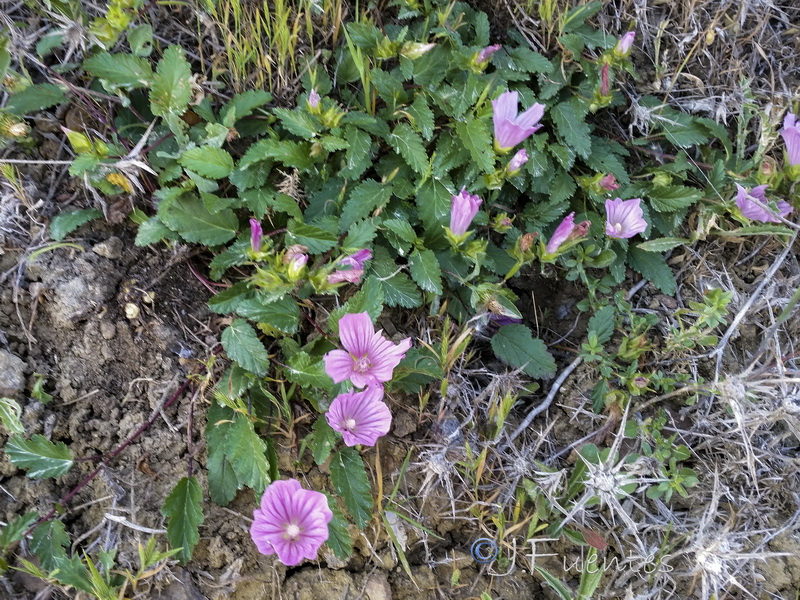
pixel 363 364
pixel 350 424
pixel 292 532
pixel 618 227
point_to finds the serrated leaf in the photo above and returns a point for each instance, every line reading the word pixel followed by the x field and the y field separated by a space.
pixel 242 105
pixel 338 535
pixel 602 323
pixel 207 161
pixel 48 542
pixel 65 223
pixel 474 134
pixel 172 85
pixel 298 122
pixel 324 440
pixel 360 235
pixel 35 98
pixel 222 480
pixel 316 239
pixel 10 413
pixel 15 530
pixel 662 244
pixel 351 483
pixel 247 454
pixel 307 371
pixel 425 270
pixel 569 118
pixel 358 158
pixel 673 197
pixel 529 61
pixel 283 314
pixel 365 198
pixel 241 343
pixel 119 70
pixel 368 299
pixel 407 143
pixel 184 516
pixel 188 216
pixel 39 456
pixel 654 268
pixel 422 116
pixel 516 346
pixel 153 231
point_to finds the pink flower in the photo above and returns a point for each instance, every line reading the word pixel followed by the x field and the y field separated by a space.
pixel 463 209
pixel 368 357
pixel 623 47
pixel 354 267
pixel 791 136
pixel 516 162
pixel 509 128
pixel 609 183
pixel 624 218
pixel 292 522
pixel 485 54
pixel 561 233
pixel 255 235
pixel 361 417
pixel 751 210
pixel 313 99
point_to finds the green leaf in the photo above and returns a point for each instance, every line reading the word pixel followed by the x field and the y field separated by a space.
pixel 214 163
pixel 368 299
pixel 421 116
pixel 246 453
pixel 65 223
pixel 188 216
pixel 10 412
pixel 307 371
pixel 172 85
pixel 15 530
pixel 48 542
pixel 317 240
pixel 756 230
pixel 516 346
pixel 298 122
pixel 184 516
pixel 673 197
pixel 425 270
pixel 529 61
pixel 241 343
pixel 35 98
pixel 140 39
pixel 654 268
pixel 360 235
pixel 282 314
pixel 475 136
pixel 338 536
pixel 358 158
pixel 153 231
pixel 324 440
pixel 407 143
pixel 222 480
pixel 119 70
pixel 351 483
pixel 242 105
pixel 663 244
pixel 365 198
pixel 398 289
pixel 39 456
pixel 569 118
pixel 602 323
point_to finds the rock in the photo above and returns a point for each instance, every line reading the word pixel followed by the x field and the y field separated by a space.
pixel 12 375
pixel 110 248
pixel 107 330
pixel 314 583
pixel 377 587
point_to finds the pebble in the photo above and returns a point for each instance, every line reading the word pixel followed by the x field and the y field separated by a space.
pixel 107 330
pixel 12 375
pixel 110 248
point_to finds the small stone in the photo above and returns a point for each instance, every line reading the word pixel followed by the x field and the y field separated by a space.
pixel 110 248
pixel 377 587
pixel 12 375
pixel 131 311
pixel 107 330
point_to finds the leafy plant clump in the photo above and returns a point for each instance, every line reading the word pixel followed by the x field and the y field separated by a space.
pixel 413 182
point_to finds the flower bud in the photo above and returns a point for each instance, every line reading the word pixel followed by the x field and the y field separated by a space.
pixel 623 47
pixel 415 50
pixel 515 164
